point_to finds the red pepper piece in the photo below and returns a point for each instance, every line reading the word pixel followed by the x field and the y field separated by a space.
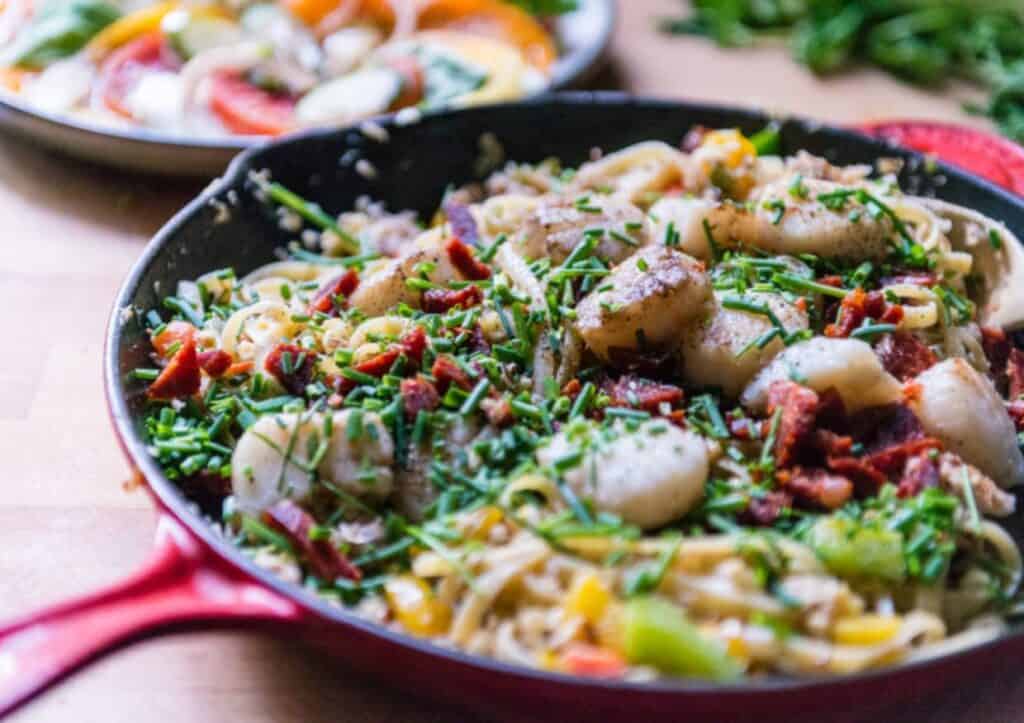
pixel 301 367
pixel 180 378
pixel 446 372
pixel 413 344
pixel 215 362
pixel 324 560
pixel 463 259
pixel 323 299
pixel 438 301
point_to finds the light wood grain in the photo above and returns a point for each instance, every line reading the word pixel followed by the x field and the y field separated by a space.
pixel 70 232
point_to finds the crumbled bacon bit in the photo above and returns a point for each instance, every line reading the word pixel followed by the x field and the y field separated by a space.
pixel 919 473
pixel 816 487
pixel 215 362
pixel 438 301
pixel 997 347
pixel 831 444
pixel 175 332
pixel 796 422
pixel 418 395
pixel 463 259
pixel 890 460
pixel 880 427
pixel 647 395
pixel 499 412
pixel 413 344
pixel 446 372
pixel 206 488
pixel 1015 374
pixel 180 378
pixel 767 508
pixel 677 417
pixel 572 388
pixel 324 299
pixel 324 560
pixel 859 305
pixel 301 367
pixel 904 355
pixel 1016 411
pixel 462 223
pixel 866 479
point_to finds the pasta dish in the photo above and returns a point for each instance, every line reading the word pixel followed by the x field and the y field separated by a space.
pixel 264 68
pixel 682 411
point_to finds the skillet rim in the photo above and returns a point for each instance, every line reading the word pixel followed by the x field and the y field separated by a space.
pixel 170 497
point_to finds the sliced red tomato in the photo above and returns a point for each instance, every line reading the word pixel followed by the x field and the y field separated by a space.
pixel 413 83
pixel 122 69
pixel 246 109
pixel 996 159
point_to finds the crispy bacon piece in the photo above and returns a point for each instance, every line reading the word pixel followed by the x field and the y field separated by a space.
pixel 859 305
pixel 572 388
pixel 1015 374
pixel 413 344
pixel 324 560
pixel 294 371
pixel 880 427
pixel 890 460
pixel 438 301
pixel 816 487
pixel 499 412
pixel 831 444
pixel 215 362
pixel 767 508
pixel 463 259
pixel 997 347
pixel 173 332
pixel 180 378
pixel 446 372
pixel 207 489
pixel 418 395
pixel 866 479
pixel 904 355
pixel 647 395
pixel 919 473
pixel 462 223
pixel 796 422
pixel 324 299
pixel 1016 411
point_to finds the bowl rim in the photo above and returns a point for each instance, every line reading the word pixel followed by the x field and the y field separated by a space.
pixel 170 497
pixel 569 70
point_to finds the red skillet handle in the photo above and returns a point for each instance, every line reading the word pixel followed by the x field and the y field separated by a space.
pixel 182 586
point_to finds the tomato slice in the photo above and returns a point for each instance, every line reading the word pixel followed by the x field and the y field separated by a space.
pixel 122 69
pixel 996 159
pixel 248 110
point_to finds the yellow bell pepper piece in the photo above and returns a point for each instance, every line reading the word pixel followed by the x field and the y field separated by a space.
pixel 865 629
pixel 588 598
pixel 482 521
pixel 736 145
pixel 129 27
pixel 414 606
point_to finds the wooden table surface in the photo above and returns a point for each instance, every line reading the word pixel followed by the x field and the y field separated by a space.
pixel 70 232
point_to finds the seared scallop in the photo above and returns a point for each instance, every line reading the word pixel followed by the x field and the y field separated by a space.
pixel 644 302
pixel 556 227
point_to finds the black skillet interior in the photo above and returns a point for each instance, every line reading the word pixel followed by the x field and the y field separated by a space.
pixel 227 226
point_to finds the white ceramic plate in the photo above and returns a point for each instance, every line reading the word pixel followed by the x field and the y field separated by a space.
pixel 583 37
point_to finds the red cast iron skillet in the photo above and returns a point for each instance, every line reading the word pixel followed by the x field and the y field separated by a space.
pixel 197 580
